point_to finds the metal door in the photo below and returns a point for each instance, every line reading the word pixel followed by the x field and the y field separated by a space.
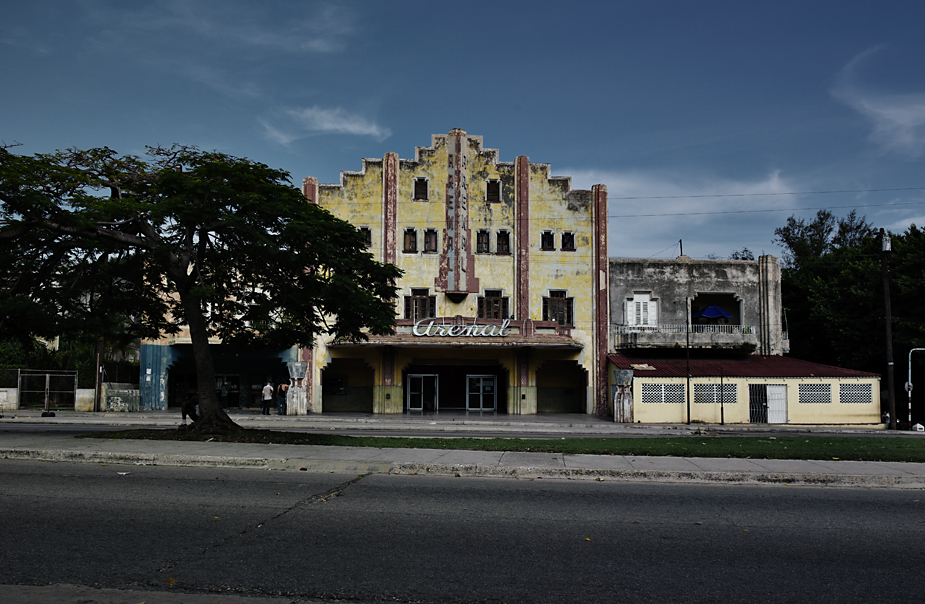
pixel 423 392
pixel 757 404
pixel 777 404
pixel 481 394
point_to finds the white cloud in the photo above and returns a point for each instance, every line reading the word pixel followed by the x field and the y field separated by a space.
pixel 690 209
pixel 898 119
pixel 339 121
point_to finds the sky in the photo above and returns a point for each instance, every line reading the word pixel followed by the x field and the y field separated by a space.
pixel 710 122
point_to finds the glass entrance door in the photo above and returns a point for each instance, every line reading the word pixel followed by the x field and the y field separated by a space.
pixel 423 392
pixel 481 394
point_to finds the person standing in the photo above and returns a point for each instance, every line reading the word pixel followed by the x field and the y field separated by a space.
pixel 281 391
pixel 267 397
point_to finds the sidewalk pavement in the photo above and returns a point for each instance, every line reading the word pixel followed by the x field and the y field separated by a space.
pixel 361 460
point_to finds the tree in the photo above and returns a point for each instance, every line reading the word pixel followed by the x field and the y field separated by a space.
pixel 220 244
pixel 743 254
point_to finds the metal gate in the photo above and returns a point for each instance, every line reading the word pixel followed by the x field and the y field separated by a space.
pixel 767 403
pixel 47 389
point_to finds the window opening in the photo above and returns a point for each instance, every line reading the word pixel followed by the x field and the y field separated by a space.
pixel 368 234
pixel 493 191
pixel 504 243
pixel 481 242
pixel 493 305
pixel 420 189
pixel 547 241
pixel 568 241
pixel 411 241
pixel 420 305
pixel 557 307
pixel 430 240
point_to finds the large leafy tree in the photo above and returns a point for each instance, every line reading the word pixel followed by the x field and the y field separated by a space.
pixel 221 245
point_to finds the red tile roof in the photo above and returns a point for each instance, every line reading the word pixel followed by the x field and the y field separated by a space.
pixel 752 366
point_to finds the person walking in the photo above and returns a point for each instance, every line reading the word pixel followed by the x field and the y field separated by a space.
pixel 281 391
pixel 267 397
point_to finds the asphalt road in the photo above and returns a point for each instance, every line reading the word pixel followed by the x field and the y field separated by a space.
pixel 431 539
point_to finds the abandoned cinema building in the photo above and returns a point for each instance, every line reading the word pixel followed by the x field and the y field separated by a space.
pixel 510 304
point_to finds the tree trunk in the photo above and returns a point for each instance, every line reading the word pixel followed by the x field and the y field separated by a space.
pixel 212 418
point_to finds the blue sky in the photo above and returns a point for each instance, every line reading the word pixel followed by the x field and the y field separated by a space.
pixel 653 99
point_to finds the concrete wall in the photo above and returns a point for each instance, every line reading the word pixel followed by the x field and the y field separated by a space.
pixel 9 399
pixel 676 285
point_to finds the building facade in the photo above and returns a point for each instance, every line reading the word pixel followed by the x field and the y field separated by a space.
pixel 717 304
pixel 502 307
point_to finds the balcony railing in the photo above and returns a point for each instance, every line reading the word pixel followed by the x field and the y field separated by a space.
pixel 675 328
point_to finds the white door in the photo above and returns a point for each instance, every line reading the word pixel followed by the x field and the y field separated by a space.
pixel 777 404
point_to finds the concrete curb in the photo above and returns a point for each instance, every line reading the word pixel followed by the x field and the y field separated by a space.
pixel 340 466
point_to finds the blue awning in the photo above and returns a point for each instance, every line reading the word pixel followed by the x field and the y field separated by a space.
pixel 712 312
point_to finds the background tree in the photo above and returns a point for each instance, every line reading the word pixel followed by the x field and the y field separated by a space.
pixel 221 245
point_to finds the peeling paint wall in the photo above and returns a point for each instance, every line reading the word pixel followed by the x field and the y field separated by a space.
pixel 460 176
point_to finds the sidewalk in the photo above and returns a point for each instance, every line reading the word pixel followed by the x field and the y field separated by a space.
pixel 360 460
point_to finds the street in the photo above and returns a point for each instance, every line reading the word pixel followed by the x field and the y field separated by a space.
pixel 438 539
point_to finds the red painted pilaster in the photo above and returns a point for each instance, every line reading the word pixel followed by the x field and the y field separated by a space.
pixel 310 189
pixel 601 298
pixel 389 207
pixel 522 234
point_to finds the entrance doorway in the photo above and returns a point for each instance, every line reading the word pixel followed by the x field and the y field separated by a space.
pixel 423 392
pixel 767 403
pixel 481 393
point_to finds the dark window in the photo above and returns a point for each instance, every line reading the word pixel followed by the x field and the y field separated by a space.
pixel 420 189
pixel 369 236
pixel 504 242
pixel 493 305
pixel 547 241
pixel 430 240
pixel 558 308
pixel 568 241
pixel 420 305
pixel 493 191
pixel 481 242
pixel 411 241
pixel 333 384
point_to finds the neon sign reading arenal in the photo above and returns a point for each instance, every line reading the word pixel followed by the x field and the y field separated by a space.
pixel 430 328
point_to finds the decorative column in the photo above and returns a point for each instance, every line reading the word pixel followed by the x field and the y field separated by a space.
pixel 297 402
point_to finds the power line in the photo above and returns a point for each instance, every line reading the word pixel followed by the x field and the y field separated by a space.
pixel 769 194
pixel 872 205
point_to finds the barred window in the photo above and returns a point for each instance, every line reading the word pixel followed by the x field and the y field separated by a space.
pixel 558 308
pixel 493 305
pixel 855 393
pixel 662 393
pixel 368 234
pixel 815 393
pixel 710 393
pixel 420 189
pixel 420 305
pixel 504 243
pixel 481 242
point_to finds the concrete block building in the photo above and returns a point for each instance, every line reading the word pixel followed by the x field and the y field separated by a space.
pixel 503 302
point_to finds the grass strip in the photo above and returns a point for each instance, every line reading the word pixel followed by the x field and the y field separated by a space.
pixel 844 448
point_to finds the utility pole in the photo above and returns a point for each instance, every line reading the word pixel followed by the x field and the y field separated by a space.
pixel 884 248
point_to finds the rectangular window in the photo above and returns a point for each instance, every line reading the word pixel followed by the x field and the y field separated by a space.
pixel 493 191
pixel 547 241
pixel 642 310
pixel 558 308
pixel 855 393
pixel 710 393
pixel 430 241
pixel 662 393
pixel 369 236
pixel 420 189
pixel 815 393
pixel 420 305
pixel 504 243
pixel 481 242
pixel 411 241
pixel 493 305
pixel 568 241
